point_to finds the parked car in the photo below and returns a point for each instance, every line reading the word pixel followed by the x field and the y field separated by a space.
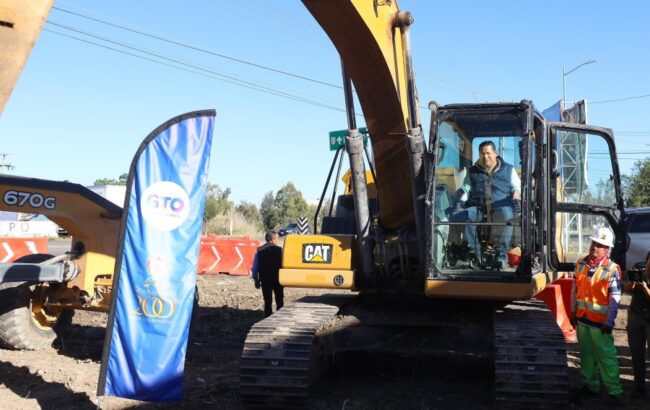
pixel 637 226
pixel 62 233
pixel 290 228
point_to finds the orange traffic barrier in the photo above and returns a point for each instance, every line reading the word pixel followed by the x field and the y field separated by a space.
pixel 233 256
pixel 568 292
pixel 553 297
pixel 13 248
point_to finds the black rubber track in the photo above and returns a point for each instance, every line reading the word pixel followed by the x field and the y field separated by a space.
pixel 275 362
pixel 530 358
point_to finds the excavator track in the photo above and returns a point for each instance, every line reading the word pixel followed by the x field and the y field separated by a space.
pixel 530 358
pixel 275 363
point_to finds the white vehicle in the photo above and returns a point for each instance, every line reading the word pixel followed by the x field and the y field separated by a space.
pixel 637 225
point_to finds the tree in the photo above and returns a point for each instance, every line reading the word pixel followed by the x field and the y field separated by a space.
pixel 324 211
pixel 269 211
pixel 250 213
pixel 291 204
pixel 605 193
pixel 287 206
pixel 220 196
pixel 121 180
pixel 636 186
pixel 216 202
pixel 210 210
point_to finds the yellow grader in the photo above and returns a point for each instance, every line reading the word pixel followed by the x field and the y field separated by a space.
pixel 39 291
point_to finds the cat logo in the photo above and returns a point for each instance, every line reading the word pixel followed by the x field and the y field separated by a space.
pixel 316 253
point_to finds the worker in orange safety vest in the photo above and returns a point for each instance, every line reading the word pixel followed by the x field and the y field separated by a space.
pixel 598 294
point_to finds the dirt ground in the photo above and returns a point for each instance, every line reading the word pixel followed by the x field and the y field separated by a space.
pixel 65 375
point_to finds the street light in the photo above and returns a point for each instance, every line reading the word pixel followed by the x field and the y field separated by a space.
pixel 565 73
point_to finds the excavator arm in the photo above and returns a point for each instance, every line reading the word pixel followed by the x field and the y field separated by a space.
pixel 20 24
pixel 368 37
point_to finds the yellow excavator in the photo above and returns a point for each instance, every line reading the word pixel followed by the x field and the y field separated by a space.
pixel 426 275
pixel 417 283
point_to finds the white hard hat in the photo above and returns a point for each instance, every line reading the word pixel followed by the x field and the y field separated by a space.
pixel 604 236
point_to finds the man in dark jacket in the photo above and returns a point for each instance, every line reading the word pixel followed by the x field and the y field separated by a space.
pixel 638 327
pixel 492 188
pixel 266 269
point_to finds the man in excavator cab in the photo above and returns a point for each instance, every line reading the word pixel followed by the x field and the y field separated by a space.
pixel 490 192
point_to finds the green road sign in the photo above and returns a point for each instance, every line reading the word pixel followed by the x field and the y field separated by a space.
pixel 337 138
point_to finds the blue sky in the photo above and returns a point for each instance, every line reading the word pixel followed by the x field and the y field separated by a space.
pixel 79 111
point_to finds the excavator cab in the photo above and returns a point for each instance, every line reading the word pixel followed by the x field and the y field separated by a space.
pixel 558 183
pixel 474 226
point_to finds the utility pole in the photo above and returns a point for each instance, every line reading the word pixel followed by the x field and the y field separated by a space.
pixel 4 163
pixel 565 73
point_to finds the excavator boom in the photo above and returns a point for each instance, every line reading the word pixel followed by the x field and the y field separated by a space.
pixel 368 36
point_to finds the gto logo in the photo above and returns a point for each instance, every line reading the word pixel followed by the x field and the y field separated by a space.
pixel 165 205
pixel 316 253
pixel 33 199
pixel 155 307
pixel 173 204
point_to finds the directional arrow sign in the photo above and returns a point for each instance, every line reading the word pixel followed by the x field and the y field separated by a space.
pixel 8 251
pixel 241 259
pixel 218 258
pixel 337 138
pixel 303 226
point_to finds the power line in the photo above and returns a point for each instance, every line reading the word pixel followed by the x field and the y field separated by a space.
pixel 290 16
pixel 305 33
pixel 632 133
pixel 202 50
pixel 221 77
pixel 196 48
pixel 213 53
pixel 472 89
pixel 620 99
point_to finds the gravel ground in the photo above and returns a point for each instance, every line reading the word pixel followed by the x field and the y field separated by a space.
pixel 65 375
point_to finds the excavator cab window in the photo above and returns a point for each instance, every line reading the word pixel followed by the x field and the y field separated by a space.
pixel 483 153
pixel 585 192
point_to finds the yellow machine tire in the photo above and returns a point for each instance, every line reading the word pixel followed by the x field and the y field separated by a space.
pixel 24 323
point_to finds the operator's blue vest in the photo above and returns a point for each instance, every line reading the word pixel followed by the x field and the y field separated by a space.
pixel 499 184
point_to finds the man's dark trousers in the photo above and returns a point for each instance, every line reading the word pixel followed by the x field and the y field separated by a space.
pixel 267 292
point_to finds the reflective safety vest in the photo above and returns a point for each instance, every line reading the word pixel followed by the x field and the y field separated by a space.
pixel 592 299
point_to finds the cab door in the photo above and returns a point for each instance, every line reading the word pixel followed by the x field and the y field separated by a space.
pixel 584 192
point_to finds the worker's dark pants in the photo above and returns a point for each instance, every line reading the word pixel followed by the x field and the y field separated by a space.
pixel 268 291
pixel 638 337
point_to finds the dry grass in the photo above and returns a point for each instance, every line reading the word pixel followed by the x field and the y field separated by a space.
pixel 232 224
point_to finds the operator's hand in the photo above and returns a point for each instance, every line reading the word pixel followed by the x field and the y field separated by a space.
pixel 605 328
pixel 258 284
pixel 516 206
